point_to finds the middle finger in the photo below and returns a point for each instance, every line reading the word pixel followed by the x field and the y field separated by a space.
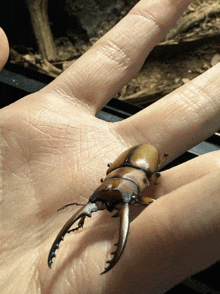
pixel 116 57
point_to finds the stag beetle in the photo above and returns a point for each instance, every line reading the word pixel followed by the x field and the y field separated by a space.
pixel 125 179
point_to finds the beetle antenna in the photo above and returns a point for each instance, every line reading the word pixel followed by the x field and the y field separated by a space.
pixel 75 203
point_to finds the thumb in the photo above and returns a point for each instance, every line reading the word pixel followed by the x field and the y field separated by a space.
pixel 4 49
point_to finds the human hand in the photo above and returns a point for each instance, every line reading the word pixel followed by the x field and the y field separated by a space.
pixel 55 151
pixel 4 49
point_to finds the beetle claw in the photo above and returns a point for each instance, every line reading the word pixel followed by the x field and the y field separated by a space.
pixel 81 214
pixel 73 230
pixel 123 234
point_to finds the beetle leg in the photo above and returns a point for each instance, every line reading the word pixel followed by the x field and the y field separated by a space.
pixel 148 200
pixel 145 200
pixel 123 235
pixel 86 210
pixel 163 158
pixel 157 176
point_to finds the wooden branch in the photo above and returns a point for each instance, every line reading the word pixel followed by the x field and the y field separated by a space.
pixel 41 27
pixel 144 98
pixel 193 19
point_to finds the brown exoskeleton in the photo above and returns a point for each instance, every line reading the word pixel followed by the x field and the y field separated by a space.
pixel 125 179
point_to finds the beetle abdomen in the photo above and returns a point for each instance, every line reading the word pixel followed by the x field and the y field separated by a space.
pixel 143 157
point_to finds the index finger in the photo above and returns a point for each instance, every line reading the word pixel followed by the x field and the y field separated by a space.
pixel 116 57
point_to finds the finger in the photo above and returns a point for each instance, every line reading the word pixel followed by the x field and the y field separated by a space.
pixel 177 235
pixel 117 56
pixel 180 120
pixel 4 49
pixel 185 173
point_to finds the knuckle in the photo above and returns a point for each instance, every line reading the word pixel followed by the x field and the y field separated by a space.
pixel 115 54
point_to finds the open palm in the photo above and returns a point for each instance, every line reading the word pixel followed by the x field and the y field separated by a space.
pixel 54 151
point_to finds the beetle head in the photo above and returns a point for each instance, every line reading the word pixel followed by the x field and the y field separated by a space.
pixel 113 192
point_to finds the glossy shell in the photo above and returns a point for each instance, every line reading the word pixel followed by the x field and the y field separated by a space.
pixel 114 191
pixel 125 179
pixel 144 157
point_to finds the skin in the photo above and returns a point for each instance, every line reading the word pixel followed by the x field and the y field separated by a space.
pixel 55 151
pixel 4 48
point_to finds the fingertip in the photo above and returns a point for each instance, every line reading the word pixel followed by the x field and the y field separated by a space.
pixel 4 48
